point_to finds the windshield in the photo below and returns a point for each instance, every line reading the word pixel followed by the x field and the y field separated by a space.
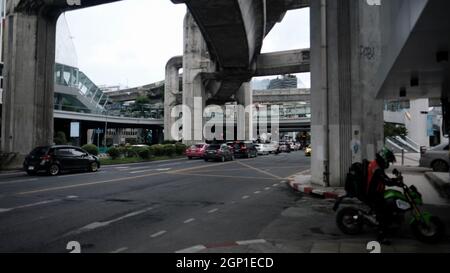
pixel 39 151
pixel 214 147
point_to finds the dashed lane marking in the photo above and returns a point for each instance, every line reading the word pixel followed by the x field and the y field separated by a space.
pixel 96 225
pixel 122 249
pixel 157 234
pixel 189 220
pixel 259 170
pixel 251 242
pixel 213 210
pixel 31 205
pixel 193 249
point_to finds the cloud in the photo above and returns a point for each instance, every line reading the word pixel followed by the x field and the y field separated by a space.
pixel 130 42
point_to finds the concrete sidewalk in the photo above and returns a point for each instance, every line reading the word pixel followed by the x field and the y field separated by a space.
pixel 309 227
pixel 441 182
pixel 434 187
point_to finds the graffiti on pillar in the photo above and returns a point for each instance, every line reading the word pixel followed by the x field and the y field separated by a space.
pixel 74 2
pixel 367 52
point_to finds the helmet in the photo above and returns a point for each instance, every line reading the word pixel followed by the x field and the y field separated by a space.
pixel 387 155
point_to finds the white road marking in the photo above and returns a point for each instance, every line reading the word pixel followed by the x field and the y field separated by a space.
pixel 71 197
pixel 143 171
pixel 163 170
pixel 10 173
pixel 251 242
pixel 121 168
pixel 159 233
pixel 170 164
pixel 30 205
pixel 267 188
pixel 275 185
pixel 158 170
pixel 257 192
pixel 96 225
pixel 213 210
pixel 193 249
pixel 245 197
pixel 189 220
pixel 283 182
pixel 18 181
pixel 122 249
pixel 73 175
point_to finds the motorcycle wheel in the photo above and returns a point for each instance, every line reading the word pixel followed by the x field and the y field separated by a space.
pixel 349 221
pixel 429 234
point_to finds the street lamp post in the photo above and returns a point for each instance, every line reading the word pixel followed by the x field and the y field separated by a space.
pixel 106 129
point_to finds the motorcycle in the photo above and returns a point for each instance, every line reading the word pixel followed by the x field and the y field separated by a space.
pixel 425 227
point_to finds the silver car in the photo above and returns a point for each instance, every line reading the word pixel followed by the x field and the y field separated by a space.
pixel 436 158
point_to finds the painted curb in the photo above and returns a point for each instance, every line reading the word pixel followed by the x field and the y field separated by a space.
pixel 314 191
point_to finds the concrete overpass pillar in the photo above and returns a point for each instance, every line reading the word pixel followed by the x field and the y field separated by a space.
pixel 347 121
pixel 29 50
pixel 244 97
pixel 171 90
pixel 195 61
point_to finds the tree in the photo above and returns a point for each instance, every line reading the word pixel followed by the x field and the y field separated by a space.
pixel 393 130
pixel 60 138
pixel 142 100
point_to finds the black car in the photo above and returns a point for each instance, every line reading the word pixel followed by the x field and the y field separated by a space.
pixel 54 159
pixel 245 149
pixel 219 152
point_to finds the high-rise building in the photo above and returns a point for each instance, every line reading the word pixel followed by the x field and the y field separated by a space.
pixel 285 82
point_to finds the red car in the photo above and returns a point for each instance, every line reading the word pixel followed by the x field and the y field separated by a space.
pixel 196 151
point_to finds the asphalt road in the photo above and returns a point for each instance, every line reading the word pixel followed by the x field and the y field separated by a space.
pixel 147 207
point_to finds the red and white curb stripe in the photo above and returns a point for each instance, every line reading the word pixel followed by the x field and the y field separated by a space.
pixel 198 248
pixel 308 189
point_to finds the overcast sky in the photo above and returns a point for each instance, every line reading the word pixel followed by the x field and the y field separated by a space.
pixel 129 42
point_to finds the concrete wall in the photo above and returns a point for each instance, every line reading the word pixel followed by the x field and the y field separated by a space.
pixel 29 48
pixel 347 121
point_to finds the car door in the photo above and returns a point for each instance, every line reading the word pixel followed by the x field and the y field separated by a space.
pixel 64 158
pixel 80 159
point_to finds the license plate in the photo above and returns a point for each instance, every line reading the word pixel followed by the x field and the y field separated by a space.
pixel 31 168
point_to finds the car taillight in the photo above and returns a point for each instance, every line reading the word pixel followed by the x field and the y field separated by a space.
pixel 46 157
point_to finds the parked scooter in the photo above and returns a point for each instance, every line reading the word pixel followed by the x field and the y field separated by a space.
pixel 425 227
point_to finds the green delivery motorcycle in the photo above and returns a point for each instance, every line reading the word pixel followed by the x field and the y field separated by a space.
pixel 425 227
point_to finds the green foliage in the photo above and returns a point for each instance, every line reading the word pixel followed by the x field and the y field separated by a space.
pixel 60 138
pixel 158 150
pixel 169 149
pixel 180 148
pixel 169 142
pixel 90 148
pixel 143 152
pixel 114 152
pixel 142 100
pixel 393 130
